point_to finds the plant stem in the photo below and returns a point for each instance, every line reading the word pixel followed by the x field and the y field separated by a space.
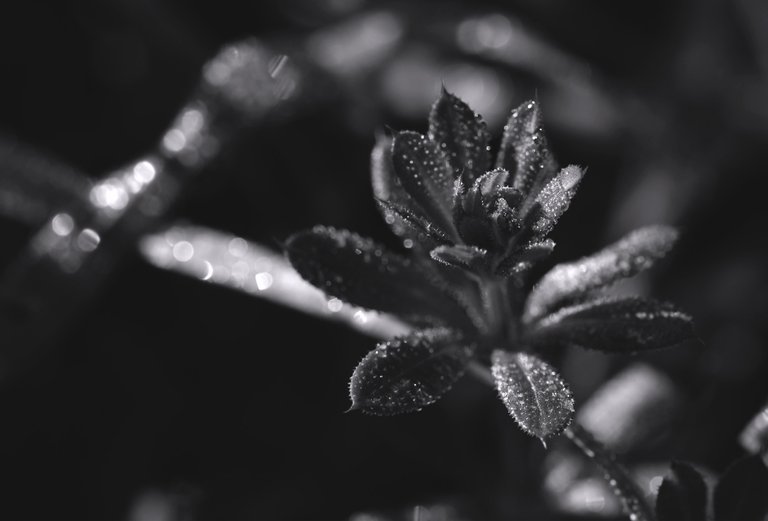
pixel 497 308
pixel 626 490
pixel 632 501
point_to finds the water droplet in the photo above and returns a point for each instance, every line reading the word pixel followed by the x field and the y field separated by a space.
pixel 62 224
pixel 183 251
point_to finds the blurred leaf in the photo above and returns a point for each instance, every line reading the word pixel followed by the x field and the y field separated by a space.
pixel 637 251
pixel 358 271
pixel 742 492
pixel 534 393
pixel 615 325
pixel 406 374
pixel 682 495
pixel 425 174
pixel 462 135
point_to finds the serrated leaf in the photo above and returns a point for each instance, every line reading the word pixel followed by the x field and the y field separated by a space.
pixel 460 256
pixel 614 325
pixel 461 134
pixel 409 373
pixel 356 270
pixel 425 174
pixel 554 199
pixel 636 252
pixel 742 492
pixel 682 495
pixel 533 392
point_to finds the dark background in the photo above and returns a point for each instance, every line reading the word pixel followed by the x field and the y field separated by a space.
pixel 196 401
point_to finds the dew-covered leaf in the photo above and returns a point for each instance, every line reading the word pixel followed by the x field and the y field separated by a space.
pixel 554 199
pixel 614 325
pixel 483 190
pixel 524 150
pixel 388 189
pixel 524 258
pixel 742 492
pixel 417 228
pixel 425 174
pixel 636 252
pixel 461 134
pixel 534 393
pixel 461 256
pixel 409 373
pixel 682 495
pixel 356 270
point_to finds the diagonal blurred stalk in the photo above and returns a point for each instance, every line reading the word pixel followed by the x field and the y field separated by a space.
pixel 92 227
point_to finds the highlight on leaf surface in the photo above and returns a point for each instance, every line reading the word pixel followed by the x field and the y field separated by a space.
pixel 409 373
pixel 358 271
pixel 620 325
pixel 636 252
pixel 682 495
pixel 533 392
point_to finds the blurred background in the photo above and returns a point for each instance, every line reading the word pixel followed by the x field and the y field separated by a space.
pixel 144 164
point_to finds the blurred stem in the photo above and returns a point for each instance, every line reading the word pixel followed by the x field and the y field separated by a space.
pixel 626 490
pixel 498 309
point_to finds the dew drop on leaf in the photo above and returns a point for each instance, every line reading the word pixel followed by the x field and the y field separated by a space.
pixel 533 392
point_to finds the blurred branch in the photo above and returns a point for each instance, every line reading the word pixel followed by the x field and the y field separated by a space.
pixel 224 259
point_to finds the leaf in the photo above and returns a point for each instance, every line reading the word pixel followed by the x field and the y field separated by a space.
pixel 406 374
pixel 521 259
pixel 555 197
pixel 424 173
pixel 461 256
pixel 742 492
pixel 417 228
pixel 388 190
pixel 636 252
pixel 534 393
pixel 682 495
pixel 462 135
pixel 483 190
pixel 358 271
pixel 524 149
pixel 615 325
